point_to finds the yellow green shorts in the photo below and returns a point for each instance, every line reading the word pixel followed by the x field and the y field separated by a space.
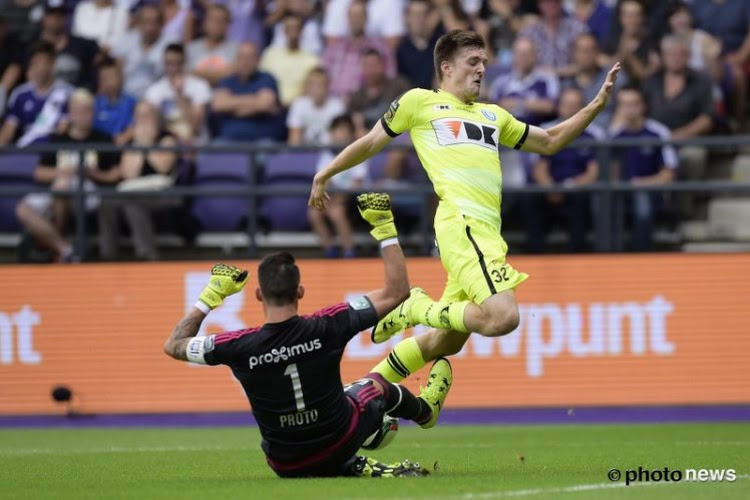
pixel 473 253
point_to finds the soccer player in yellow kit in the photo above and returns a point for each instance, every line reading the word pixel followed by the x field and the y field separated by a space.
pixel 457 142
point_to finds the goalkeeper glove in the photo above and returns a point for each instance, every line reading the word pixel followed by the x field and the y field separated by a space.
pixel 375 208
pixel 225 281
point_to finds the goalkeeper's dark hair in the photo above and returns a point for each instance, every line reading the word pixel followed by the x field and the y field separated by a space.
pixel 451 43
pixel 278 278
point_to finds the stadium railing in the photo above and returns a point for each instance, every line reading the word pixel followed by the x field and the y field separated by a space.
pixel 608 196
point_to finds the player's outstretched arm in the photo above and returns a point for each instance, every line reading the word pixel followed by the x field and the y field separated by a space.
pixel 552 140
pixel 354 154
pixel 225 280
pixel 375 208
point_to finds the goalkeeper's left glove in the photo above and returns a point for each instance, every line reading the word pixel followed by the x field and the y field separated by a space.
pixel 225 280
pixel 375 208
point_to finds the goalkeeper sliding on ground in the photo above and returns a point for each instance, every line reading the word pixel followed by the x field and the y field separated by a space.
pixel 290 366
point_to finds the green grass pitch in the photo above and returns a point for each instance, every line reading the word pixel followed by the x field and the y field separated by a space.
pixel 472 462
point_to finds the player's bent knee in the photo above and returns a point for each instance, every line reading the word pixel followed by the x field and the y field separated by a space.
pixel 502 324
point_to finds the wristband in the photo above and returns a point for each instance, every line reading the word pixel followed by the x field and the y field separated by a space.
pixel 202 307
pixel 388 242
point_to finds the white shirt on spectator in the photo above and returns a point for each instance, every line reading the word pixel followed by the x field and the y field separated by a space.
pixel 346 179
pixel 162 95
pixel 140 68
pixel 314 121
pixel 105 25
pixel 385 18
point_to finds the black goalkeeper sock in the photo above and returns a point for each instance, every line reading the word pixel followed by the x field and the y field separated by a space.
pixel 401 403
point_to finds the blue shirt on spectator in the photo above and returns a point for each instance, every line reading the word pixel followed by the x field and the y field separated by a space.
pixel 537 84
pixel 250 128
pixel 728 21
pixel 416 64
pixel 600 21
pixel 645 161
pixel 113 117
pixel 36 114
pixel 571 161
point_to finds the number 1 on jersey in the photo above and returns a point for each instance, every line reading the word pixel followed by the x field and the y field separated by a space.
pixel 291 371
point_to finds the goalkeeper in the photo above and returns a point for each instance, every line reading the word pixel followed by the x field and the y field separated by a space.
pixel 457 140
pixel 290 366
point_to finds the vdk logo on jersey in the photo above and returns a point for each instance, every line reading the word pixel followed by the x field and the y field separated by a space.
pixel 452 131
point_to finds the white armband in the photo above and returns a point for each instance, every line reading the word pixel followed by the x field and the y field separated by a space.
pixel 196 349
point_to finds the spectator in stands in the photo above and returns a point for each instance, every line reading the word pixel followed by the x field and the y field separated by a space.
pixel 247 21
pixel 414 53
pixel 310 38
pixel 729 21
pixel 384 20
pixel 341 134
pixel 181 97
pixel 569 167
pixel 528 91
pixel 247 103
pixel 681 99
pixel 705 55
pixel 76 56
pixel 589 75
pixel 140 53
pixel 343 56
pixel 103 21
pixel 289 63
pixel 596 15
pixel 141 170
pixel 503 20
pixel 553 37
pixel 212 56
pixel 367 104
pixel 311 114
pixel 631 45
pixel 450 15
pixel 43 214
pixel 178 19
pixel 641 166
pixel 36 107
pixel 11 61
pixel 114 109
pixel 22 18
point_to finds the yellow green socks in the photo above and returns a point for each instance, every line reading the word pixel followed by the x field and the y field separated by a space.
pixel 448 315
pixel 405 359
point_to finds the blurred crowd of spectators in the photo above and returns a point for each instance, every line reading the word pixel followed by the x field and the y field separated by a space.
pixel 313 73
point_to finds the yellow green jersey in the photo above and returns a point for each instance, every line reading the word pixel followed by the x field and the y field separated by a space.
pixel 457 144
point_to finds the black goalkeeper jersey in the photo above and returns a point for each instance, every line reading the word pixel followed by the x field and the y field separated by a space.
pixel 291 374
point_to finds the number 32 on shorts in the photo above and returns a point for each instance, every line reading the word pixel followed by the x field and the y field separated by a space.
pixel 499 272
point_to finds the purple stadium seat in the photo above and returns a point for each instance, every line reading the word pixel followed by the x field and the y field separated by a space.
pixel 16 170
pixel 221 213
pixel 376 167
pixel 292 169
pixel 291 166
pixel 286 212
pixel 215 166
pixel 18 166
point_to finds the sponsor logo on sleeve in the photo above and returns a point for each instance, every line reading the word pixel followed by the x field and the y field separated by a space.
pixel 489 115
pixel 359 304
pixel 391 113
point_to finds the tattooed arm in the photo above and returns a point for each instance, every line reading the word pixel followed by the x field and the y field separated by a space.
pixel 176 344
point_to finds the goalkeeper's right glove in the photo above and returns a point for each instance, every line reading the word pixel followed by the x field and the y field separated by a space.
pixel 225 280
pixel 375 208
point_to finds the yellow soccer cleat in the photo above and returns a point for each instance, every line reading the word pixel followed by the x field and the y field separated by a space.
pixel 438 385
pixel 399 319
